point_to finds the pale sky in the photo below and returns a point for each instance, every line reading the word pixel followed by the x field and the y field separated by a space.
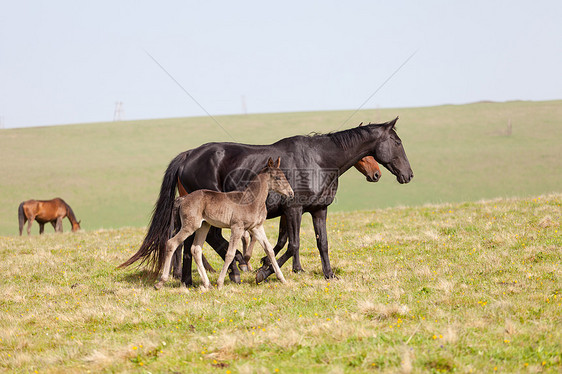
pixel 67 62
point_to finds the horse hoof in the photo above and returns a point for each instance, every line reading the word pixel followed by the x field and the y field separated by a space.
pixel 298 270
pixel 158 285
pixel 260 276
pixel 243 268
pixel 234 277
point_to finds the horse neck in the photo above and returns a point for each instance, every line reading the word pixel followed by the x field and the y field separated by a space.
pixel 345 148
pixel 70 215
pixel 256 191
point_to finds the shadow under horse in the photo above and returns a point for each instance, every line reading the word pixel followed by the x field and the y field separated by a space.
pixel 312 165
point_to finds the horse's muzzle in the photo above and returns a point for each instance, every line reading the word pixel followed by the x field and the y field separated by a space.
pixel 405 178
pixel 374 178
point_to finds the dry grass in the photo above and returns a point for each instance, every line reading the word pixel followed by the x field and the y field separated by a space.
pixel 470 287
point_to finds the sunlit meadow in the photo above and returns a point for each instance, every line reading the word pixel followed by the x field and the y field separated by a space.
pixel 470 287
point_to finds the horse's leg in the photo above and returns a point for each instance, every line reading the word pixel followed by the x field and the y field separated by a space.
pixel 176 262
pixel 220 245
pixel 281 239
pixel 186 278
pixel 294 216
pixel 176 258
pixel 236 233
pixel 248 243
pixel 41 228
pixel 258 233
pixel 197 253
pixel 319 222
pixel 171 246
pixel 245 242
pixel 29 225
pixel 59 225
pixel 206 264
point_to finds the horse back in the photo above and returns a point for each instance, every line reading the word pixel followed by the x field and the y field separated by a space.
pixel 45 210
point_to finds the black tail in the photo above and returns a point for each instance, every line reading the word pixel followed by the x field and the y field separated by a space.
pixel 21 217
pixel 152 250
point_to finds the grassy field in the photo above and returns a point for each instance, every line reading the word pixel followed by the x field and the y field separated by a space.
pixel 110 173
pixel 470 287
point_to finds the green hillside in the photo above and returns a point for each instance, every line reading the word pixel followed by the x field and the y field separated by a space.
pixel 110 173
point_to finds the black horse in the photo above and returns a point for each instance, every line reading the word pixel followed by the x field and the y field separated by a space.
pixel 312 165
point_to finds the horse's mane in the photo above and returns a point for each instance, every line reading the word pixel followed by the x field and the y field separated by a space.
pixel 346 139
pixel 70 212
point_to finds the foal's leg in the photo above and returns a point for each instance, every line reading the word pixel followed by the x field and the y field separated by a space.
pixel 259 234
pixel 248 243
pixel 236 233
pixel 294 216
pixel 171 245
pixel 281 239
pixel 197 252
pixel 41 228
pixel 220 245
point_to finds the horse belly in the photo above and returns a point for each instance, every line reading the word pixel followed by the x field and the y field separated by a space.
pixel 217 223
pixel 218 216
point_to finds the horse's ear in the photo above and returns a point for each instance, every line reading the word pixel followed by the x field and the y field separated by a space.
pixel 361 124
pixel 270 162
pixel 278 162
pixel 391 124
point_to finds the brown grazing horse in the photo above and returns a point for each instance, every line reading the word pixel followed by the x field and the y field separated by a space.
pixel 367 166
pixel 44 211
pixel 238 210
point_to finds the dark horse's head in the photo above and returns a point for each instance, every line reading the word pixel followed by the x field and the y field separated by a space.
pixel 390 153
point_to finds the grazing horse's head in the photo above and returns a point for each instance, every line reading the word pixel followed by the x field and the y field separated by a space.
pixel 76 226
pixel 369 168
pixel 390 153
pixel 277 181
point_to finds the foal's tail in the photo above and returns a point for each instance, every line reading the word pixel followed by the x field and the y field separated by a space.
pixel 21 217
pixel 152 250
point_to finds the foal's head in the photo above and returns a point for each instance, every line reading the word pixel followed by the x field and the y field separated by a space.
pixel 277 181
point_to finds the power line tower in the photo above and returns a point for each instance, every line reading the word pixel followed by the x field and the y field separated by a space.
pixel 118 112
